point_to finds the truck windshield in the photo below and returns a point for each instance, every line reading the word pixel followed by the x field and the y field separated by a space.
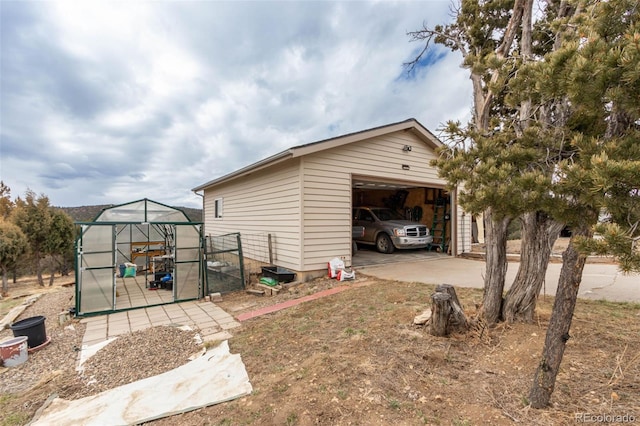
pixel 387 214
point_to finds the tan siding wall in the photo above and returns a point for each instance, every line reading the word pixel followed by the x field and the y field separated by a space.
pixel 383 157
pixel 267 202
pixel 327 189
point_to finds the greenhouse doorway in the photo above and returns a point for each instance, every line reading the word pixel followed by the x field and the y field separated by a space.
pixel 137 255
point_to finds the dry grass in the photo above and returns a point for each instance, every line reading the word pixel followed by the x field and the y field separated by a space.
pixel 356 358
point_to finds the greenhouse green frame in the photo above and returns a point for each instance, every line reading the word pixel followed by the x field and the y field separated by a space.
pixel 144 233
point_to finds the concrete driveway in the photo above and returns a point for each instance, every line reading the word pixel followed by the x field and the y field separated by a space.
pixel 369 256
pixel 599 280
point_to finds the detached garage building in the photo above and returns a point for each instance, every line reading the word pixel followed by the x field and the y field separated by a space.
pixel 304 196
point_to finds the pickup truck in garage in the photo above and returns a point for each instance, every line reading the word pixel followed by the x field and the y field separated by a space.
pixel 388 230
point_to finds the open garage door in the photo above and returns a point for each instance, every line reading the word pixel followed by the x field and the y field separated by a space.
pixel 429 206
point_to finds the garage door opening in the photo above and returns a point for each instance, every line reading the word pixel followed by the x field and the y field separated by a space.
pixel 423 206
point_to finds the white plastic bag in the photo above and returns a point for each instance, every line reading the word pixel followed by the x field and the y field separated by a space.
pixel 335 265
pixel 346 275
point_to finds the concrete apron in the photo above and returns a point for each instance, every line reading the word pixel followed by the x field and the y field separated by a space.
pixel 368 256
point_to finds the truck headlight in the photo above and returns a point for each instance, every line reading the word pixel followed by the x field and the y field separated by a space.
pixel 399 232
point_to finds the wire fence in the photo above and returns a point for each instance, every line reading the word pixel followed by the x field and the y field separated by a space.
pixel 224 263
pixel 235 260
pixel 257 250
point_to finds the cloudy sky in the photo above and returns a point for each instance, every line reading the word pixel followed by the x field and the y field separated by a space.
pixel 110 102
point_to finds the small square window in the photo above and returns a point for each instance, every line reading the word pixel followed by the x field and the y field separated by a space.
pixel 217 208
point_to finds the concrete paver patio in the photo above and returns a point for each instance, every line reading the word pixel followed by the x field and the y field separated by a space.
pixel 212 320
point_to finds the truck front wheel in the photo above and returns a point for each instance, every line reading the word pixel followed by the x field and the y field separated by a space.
pixel 384 244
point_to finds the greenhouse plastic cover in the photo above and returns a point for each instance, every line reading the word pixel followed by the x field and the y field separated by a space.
pixel 142 211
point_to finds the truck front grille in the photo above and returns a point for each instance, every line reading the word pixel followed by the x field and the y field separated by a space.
pixel 416 231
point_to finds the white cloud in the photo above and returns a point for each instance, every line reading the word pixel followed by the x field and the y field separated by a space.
pixel 105 102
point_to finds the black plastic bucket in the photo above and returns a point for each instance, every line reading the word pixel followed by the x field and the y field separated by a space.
pixel 33 328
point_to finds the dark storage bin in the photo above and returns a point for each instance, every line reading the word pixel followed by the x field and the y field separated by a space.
pixel 162 280
pixel 33 328
pixel 278 273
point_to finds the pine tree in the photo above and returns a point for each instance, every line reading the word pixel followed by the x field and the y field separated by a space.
pixel 6 205
pixel 560 144
pixel 598 75
pixel 33 216
pixel 59 244
pixel 485 33
pixel 13 244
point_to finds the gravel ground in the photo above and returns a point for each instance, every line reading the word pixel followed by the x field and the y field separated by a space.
pixel 131 357
pixel 136 356
pixel 59 355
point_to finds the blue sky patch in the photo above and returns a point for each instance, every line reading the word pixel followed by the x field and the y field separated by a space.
pixel 431 57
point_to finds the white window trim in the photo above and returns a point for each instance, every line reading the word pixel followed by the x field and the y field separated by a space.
pixel 217 208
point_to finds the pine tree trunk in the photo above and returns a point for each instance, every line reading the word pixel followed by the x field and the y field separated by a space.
pixel 5 284
pixel 38 266
pixel 558 331
pixel 64 269
pixel 53 265
pixel 539 233
pixel 496 265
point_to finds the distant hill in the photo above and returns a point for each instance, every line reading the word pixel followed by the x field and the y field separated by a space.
pixel 88 213
pixel 83 213
pixel 194 214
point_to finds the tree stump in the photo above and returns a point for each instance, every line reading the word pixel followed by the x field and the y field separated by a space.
pixel 441 310
pixel 449 289
pixel 447 314
pixel 458 320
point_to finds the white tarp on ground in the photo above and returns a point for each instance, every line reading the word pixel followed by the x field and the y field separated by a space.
pixel 215 377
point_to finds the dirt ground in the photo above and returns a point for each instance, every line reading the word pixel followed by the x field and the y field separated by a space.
pixel 355 358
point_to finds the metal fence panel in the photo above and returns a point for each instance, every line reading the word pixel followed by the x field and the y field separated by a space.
pixel 225 266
